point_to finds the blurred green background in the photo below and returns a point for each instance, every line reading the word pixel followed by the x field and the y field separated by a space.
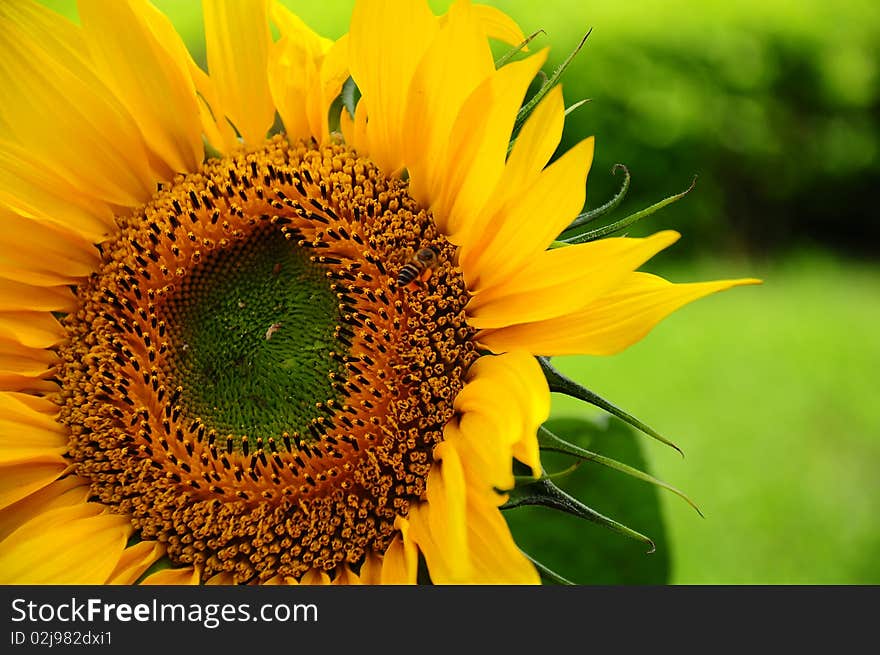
pixel 770 390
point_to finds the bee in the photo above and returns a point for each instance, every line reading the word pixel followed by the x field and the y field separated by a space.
pixel 418 267
pixel 272 330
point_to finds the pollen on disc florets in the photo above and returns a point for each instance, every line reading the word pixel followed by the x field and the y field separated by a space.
pixel 245 378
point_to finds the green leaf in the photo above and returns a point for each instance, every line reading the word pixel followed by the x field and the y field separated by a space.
pixel 545 493
pixel 526 110
pixel 592 235
pixel 593 214
pixel 559 383
pixel 510 54
pixel 550 441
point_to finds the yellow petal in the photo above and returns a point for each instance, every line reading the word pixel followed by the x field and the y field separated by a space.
pixel 534 146
pixel 10 381
pixel 224 578
pixel 237 40
pixel 64 492
pixel 346 127
pixel 31 450
pixel 79 544
pixel 31 329
pixel 495 557
pixel 438 526
pixel 498 25
pixel 478 143
pixel 527 227
pixel 387 41
pixel 611 323
pixel 29 362
pixel 22 477
pixel 40 404
pixel 187 575
pixel 134 561
pixel 217 130
pixel 289 24
pixel 535 143
pixel 93 143
pixel 294 80
pixel 30 188
pixel 27 273
pixel 16 296
pixel 560 281
pixel 306 74
pixel 26 429
pixel 146 77
pixel 485 451
pixel 506 396
pixel 281 580
pixel 371 569
pixel 315 577
pixel 345 576
pixel 456 62
pixel 334 72
pixel 400 562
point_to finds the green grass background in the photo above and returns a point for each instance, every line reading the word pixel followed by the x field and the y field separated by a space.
pixel 771 391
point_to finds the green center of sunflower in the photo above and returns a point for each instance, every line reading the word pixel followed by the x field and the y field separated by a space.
pixel 261 367
pixel 254 324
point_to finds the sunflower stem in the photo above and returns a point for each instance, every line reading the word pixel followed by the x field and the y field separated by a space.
pixel 510 54
pixel 546 494
pixel 546 572
pixel 526 110
pixel 559 383
pixel 598 233
pixel 593 214
pixel 548 440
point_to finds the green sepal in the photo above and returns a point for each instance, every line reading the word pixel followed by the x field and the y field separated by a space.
pixel 544 493
pixel 350 95
pixel 523 479
pixel 598 233
pixel 334 115
pixel 210 151
pixel 159 565
pixel 546 572
pixel 593 214
pixel 510 54
pixel 548 440
pixel 526 110
pixel 560 383
pixel 577 105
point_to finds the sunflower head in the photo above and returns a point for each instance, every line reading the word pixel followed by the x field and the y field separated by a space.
pixel 311 356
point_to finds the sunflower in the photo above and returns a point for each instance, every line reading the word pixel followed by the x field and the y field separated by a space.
pixel 279 323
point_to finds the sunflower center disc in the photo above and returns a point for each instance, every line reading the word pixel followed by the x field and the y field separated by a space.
pixel 257 374
pixel 254 324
